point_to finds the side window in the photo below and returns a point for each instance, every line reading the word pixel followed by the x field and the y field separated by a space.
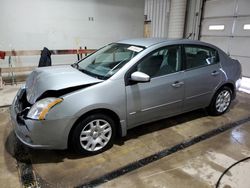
pixel 161 62
pixel 198 56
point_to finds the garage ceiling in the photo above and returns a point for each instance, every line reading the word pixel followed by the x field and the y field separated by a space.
pixel 226 23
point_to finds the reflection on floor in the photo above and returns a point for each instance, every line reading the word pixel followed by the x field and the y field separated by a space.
pixel 245 85
pixel 198 166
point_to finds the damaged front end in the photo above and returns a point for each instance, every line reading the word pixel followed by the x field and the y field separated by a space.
pixel 45 88
pixel 38 110
pixel 30 123
pixel 34 121
pixel 21 106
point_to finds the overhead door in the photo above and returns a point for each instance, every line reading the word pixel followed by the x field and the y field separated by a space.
pixel 226 24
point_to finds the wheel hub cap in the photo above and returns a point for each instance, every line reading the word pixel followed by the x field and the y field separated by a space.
pixel 95 135
pixel 223 101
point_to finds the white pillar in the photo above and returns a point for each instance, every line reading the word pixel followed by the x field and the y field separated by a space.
pixel 177 18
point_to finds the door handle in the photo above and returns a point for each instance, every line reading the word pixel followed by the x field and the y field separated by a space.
pixel 215 73
pixel 177 84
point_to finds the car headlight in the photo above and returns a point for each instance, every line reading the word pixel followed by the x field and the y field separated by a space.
pixel 39 110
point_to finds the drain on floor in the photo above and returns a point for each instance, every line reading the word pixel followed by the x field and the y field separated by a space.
pixel 27 175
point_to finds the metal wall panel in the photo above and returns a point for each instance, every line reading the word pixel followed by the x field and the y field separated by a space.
pixel 234 40
pixel 239 25
pixel 243 7
pixel 239 46
pixel 219 8
pixel 227 22
pixel 157 12
pixel 221 42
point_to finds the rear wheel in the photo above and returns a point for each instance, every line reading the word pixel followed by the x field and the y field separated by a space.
pixel 221 101
pixel 93 134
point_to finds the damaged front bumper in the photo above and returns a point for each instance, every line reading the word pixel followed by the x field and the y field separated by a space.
pixel 44 134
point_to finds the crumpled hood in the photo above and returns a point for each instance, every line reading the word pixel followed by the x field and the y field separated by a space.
pixel 53 79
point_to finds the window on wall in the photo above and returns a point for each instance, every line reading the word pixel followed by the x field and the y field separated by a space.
pixel 246 27
pixel 216 27
pixel 161 62
pixel 198 56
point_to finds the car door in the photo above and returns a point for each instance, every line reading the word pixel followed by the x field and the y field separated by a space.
pixel 202 75
pixel 163 95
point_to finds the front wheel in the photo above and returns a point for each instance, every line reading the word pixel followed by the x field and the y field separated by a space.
pixel 93 134
pixel 221 101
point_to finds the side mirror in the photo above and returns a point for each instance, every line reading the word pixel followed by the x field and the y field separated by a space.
pixel 140 77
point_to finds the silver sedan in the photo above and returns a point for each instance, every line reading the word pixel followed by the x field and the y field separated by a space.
pixel 120 86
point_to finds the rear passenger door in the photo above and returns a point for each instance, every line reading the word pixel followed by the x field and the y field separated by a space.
pixel 163 95
pixel 202 75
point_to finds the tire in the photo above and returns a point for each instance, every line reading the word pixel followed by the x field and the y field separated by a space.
pixel 94 134
pixel 221 101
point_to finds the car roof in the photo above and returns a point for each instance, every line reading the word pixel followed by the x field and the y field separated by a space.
pixel 146 42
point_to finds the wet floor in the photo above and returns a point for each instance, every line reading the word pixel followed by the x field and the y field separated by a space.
pixel 197 166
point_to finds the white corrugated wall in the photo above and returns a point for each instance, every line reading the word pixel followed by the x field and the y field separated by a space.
pixel 177 19
pixel 167 17
pixel 157 12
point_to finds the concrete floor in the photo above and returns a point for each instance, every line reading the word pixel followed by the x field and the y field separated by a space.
pixel 197 166
pixel 9 176
pixel 8 93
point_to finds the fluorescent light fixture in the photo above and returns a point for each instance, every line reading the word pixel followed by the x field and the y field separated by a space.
pixel 246 27
pixel 216 27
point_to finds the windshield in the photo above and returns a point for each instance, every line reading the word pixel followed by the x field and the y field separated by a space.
pixel 108 60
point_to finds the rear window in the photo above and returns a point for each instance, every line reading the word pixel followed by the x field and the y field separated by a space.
pixel 199 56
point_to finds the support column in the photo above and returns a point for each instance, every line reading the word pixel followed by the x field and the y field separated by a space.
pixel 177 19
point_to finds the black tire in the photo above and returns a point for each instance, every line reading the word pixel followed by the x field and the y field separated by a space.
pixel 212 109
pixel 84 125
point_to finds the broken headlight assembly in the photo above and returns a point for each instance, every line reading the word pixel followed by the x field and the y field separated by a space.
pixel 40 109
